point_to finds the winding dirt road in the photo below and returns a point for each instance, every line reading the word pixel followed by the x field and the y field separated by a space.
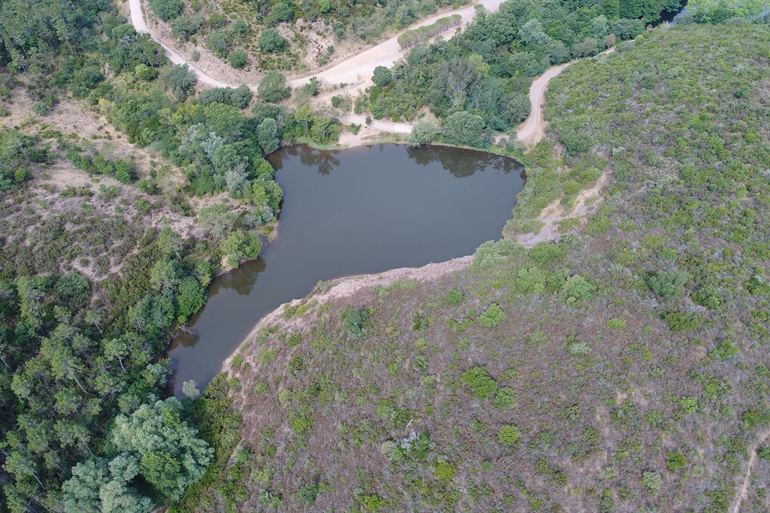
pixel 359 69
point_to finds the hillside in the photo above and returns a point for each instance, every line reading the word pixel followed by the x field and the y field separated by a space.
pixel 623 368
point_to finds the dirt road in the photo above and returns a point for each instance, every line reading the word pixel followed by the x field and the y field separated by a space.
pixel 137 20
pixel 362 66
pixel 359 68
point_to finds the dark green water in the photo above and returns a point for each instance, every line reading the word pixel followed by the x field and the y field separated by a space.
pixel 363 210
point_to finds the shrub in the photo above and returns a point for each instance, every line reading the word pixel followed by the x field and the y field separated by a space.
pixel 237 59
pixel 668 284
pixel 273 88
pixel 454 297
pixel 309 492
pixel 505 398
pixel 492 316
pixel 282 12
pixel 689 404
pixel 271 41
pixel 651 480
pixel 445 471
pixel 353 322
pixel 483 385
pixel 166 9
pixel 764 452
pixel 508 435
pixel 676 461
pixel 723 351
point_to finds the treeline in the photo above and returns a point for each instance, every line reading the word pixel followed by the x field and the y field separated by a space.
pixel 482 75
pixel 411 37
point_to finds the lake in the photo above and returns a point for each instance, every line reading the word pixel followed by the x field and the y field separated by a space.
pixel 356 211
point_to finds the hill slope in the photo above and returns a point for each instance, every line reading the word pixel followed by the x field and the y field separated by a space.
pixel 622 369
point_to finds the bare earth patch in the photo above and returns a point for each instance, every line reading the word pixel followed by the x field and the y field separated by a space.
pixel 585 203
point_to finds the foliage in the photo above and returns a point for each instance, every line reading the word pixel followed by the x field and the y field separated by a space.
pixel 273 88
pixel 166 9
pixel 668 284
pixel 483 385
pixel 492 316
pixel 271 41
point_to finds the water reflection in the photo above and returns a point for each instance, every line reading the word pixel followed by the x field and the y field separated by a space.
pixel 363 210
pixel 324 160
pixel 462 163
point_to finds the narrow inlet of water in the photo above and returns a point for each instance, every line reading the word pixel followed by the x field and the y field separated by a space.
pixel 357 211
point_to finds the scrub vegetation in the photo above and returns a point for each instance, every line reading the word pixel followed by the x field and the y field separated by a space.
pixel 622 368
pixel 282 34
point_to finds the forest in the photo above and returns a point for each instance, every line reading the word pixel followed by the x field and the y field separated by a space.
pixel 90 290
pixel 95 279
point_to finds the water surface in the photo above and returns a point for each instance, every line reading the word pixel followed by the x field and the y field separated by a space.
pixel 356 211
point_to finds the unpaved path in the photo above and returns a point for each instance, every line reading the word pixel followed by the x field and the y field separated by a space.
pixel 533 129
pixel 137 20
pixel 740 496
pixel 359 68
pixel 362 66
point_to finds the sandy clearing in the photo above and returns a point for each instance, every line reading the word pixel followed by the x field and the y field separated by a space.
pixel 555 212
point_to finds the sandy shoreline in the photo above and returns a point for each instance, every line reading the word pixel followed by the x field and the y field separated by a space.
pixel 346 286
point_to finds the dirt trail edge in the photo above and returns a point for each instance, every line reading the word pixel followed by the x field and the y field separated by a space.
pixel 740 495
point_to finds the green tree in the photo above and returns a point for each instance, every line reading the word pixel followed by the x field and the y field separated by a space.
pixel 492 316
pixel 170 242
pixel 282 11
pixel 237 59
pixel 166 9
pixel 267 135
pixel 157 436
pixel 271 41
pixel 423 132
pixel 180 79
pixel 508 435
pixel 483 385
pixel 517 109
pixel 273 88
pixel 381 76
pixel 532 33
pixel 464 128
pixel 73 287
pixel 668 284
pixel 190 298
